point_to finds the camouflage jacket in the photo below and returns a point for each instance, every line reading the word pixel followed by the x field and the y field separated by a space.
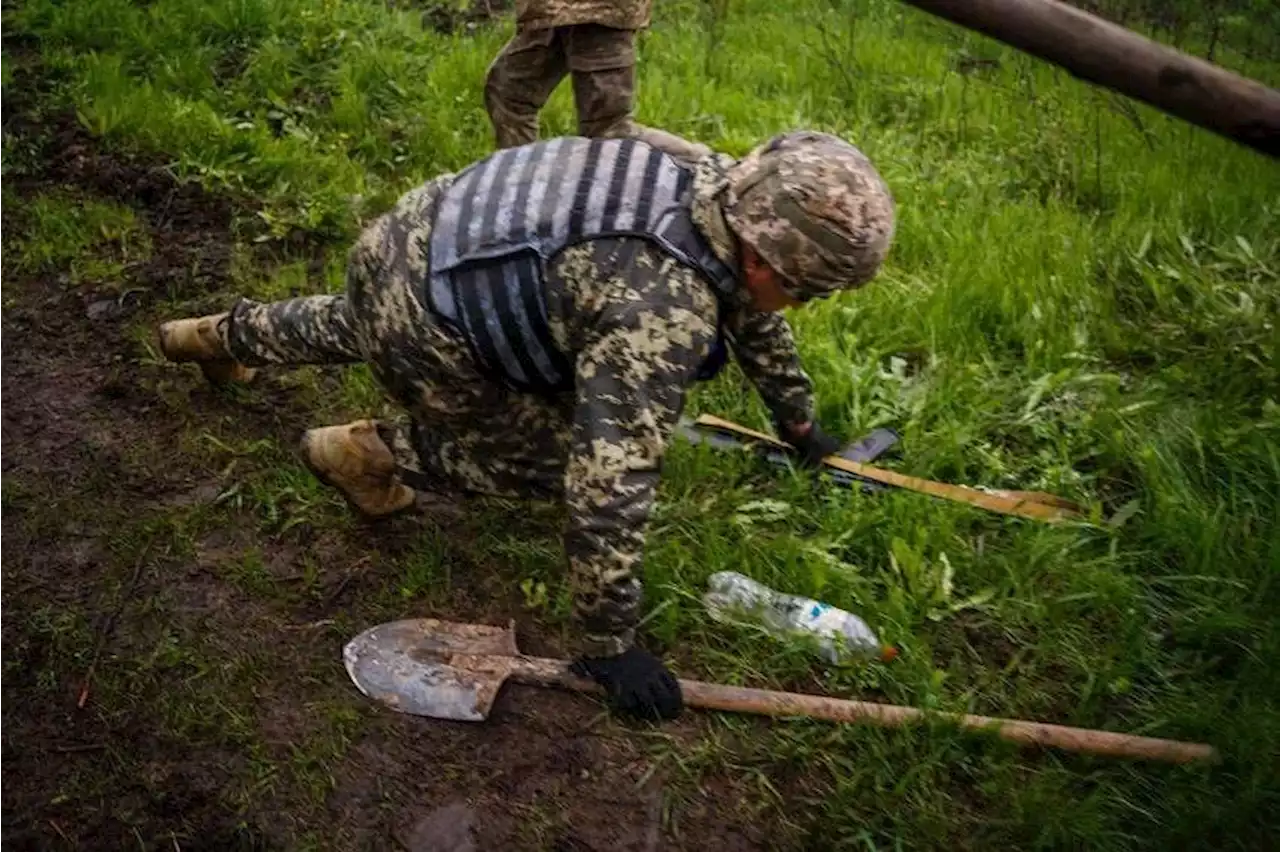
pixel 620 14
pixel 640 324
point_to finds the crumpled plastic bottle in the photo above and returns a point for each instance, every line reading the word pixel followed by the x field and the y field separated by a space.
pixel 841 635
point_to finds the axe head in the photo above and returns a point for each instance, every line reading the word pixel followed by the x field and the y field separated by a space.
pixel 427 667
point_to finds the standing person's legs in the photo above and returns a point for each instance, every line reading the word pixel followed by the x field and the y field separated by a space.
pixel 519 81
pixel 603 63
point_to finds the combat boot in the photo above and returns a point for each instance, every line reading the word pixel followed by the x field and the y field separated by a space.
pixel 356 461
pixel 197 339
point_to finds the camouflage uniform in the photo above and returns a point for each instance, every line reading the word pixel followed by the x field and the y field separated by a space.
pixel 592 40
pixel 639 323
pixel 636 316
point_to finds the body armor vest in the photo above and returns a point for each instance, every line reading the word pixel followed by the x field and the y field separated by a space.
pixel 504 217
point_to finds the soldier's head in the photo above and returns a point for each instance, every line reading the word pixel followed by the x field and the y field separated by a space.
pixel 813 215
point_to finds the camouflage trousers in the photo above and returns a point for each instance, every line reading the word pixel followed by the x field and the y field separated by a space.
pixel 461 428
pixel 602 62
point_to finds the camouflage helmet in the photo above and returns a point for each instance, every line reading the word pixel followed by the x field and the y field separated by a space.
pixel 815 209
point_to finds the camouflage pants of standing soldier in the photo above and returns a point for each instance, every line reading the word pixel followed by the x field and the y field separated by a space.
pixel 602 62
pixel 463 429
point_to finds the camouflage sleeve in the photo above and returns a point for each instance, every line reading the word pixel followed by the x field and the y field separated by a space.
pixel 766 350
pixel 651 328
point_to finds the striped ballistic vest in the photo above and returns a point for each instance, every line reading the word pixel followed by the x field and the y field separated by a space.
pixel 506 216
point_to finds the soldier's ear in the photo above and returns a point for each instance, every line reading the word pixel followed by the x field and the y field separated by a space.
pixel 764 283
pixel 751 264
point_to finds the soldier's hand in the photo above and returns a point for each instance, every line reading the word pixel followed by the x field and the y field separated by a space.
pixel 637 683
pixel 811 441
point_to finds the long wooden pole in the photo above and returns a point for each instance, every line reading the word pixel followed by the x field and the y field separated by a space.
pixel 1117 58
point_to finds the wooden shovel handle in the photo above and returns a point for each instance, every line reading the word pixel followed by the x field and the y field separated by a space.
pixel 1023 505
pixel 738 699
pixel 763 702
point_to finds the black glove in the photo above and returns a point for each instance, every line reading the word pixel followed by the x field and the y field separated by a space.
pixel 813 446
pixel 637 683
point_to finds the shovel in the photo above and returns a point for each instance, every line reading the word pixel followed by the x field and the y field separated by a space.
pixel 449 670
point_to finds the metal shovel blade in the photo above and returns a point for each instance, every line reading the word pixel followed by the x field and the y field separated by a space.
pixel 428 667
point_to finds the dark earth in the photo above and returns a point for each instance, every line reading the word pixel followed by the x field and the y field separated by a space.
pixel 204 642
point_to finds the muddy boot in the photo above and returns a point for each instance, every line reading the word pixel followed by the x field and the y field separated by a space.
pixel 356 461
pixel 197 340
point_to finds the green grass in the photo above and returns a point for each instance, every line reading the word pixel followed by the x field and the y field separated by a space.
pixel 6 76
pixel 91 240
pixel 1083 298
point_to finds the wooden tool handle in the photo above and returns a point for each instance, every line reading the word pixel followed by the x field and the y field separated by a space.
pixel 1023 506
pixel 763 702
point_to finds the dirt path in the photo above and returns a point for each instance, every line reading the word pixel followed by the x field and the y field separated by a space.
pixel 219 715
